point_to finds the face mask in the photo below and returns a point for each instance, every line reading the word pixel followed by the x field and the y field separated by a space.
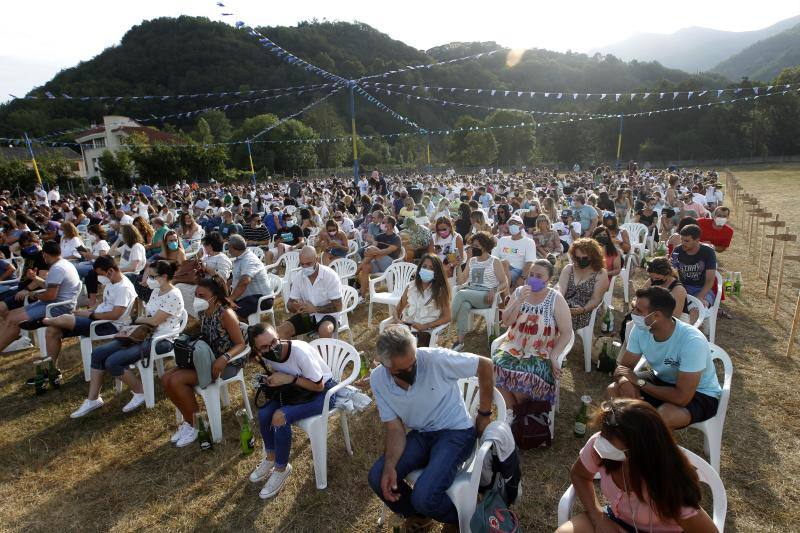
pixel 200 305
pixel 639 322
pixel 103 280
pixel 383 227
pixel 30 250
pixel 476 252
pixel 513 229
pixel 289 223
pixel 409 376
pixel 444 233
pixel 309 271
pixel 583 262
pixel 608 451
pixel 153 283
pixel 656 282
pixel 426 275
pixel 274 354
pixel 332 233
pixel 172 245
pixel 720 221
pixel 536 284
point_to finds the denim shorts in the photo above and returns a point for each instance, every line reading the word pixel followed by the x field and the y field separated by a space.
pixel 36 310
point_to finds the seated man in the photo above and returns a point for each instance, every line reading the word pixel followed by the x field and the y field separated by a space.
pixel 288 238
pixel 683 383
pixel 249 279
pixel 118 293
pixel 716 231
pixel 517 252
pixel 315 298
pixel 696 264
pixel 377 258
pixel 442 435
pixel 61 285
pixel 256 233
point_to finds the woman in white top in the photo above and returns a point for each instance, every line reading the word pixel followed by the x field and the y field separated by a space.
pixel 167 215
pixel 86 267
pixel 132 255
pixel 163 312
pixel 189 230
pixel 447 244
pixel 425 304
pixel 215 263
pixel 70 242
pixel 479 282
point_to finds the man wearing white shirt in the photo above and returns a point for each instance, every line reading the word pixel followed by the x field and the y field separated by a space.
pixel 517 252
pixel 41 195
pixel 315 298
pixel 363 185
pixel 53 195
pixel 568 230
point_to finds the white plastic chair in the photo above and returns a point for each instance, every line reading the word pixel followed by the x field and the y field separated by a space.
pixel 216 395
pixel 712 428
pixel 290 262
pixel 397 277
pixel 352 249
pixel 706 474
pixel 345 268
pixel 349 302
pixel 586 334
pixel 86 343
pixel 608 297
pixel 695 303
pixel 625 276
pixel 193 250
pixel 257 251
pixel 561 358
pixel 710 319
pixel 463 492
pixel 489 315
pixel 277 287
pixel 638 236
pixel 41 339
pixel 338 355
pixel 402 257
pixel 435 332
pixel 157 359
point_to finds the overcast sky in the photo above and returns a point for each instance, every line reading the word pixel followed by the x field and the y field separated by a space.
pixel 38 38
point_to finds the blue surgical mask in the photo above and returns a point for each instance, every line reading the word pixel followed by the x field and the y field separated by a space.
pixel 514 229
pixel 173 245
pixel 426 275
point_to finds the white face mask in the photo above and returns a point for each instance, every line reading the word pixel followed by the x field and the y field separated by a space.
pixel 513 229
pixel 309 271
pixel 153 283
pixel 720 221
pixel 606 450
pixel 200 305
pixel 103 280
pixel 638 322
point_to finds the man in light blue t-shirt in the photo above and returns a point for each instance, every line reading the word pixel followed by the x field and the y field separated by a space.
pixel 418 389
pixel 585 214
pixel 683 385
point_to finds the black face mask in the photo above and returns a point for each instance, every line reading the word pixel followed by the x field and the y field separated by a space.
pixel 275 354
pixel 657 281
pixel 476 252
pixel 583 262
pixel 409 376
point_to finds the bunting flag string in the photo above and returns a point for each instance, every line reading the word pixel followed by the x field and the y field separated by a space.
pixel 48 95
pixel 426 66
pixel 380 105
pixel 445 103
pixel 293 115
pixel 567 95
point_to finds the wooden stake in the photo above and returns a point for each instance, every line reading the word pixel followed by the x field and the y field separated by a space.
pixel 762 231
pixel 775 224
pixel 785 238
pixel 751 231
pixel 795 324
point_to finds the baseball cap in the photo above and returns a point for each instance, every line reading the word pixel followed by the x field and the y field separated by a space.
pixel 566 213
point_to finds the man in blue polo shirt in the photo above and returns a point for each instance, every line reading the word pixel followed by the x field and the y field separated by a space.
pixel 683 382
pixel 418 389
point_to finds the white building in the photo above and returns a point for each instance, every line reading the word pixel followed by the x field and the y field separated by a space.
pixel 109 136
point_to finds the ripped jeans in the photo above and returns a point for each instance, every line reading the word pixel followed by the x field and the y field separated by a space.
pixel 278 439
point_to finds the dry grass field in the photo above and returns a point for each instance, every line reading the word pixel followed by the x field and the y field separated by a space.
pixel 115 472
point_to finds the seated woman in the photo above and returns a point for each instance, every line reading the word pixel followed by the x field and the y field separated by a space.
pixel 189 230
pixel 71 243
pixel 619 236
pixel 155 244
pixel 287 362
pixel 447 245
pixel 162 312
pixel 85 268
pixel 215 263
pixel 416 238
pixel 649 482
pixel 145 230
pixel 613 259
pixel 482 279
pixel 333 242
pixel 219 328
pixel 548 242
pixel 425 304
pixel 538 321
pixel 132 255
pixel 583 282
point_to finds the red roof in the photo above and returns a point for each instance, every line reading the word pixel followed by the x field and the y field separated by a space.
pixel 91 131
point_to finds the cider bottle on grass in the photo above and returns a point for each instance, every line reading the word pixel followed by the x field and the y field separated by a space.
pixel 40 378
pixel 582 417
pixel 203 436
pixel 246 438
pixel 737 285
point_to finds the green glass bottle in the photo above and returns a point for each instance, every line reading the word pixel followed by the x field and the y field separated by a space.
pixel 246 438
pixel 203 436
pixel 53 375
pixel 40 378
pixel 582 417
pixel 737 285
pixel 364 372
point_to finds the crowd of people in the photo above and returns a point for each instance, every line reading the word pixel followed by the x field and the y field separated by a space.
pixel 539 246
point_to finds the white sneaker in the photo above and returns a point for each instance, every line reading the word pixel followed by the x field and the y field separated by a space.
pixel 135 403
pixel 263 470
pixel 188 437
pixel 178 434
pixel 22 343
pixel 274 483
pixel 87 406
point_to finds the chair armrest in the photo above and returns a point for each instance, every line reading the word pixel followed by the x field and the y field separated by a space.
pixel 93 326
pixel 242 355
pixel 565 505
pixel 477 465
pixel 374 281
pixel 273 265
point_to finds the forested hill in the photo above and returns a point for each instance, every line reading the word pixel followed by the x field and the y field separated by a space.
pixel 765 59
pixel 194 55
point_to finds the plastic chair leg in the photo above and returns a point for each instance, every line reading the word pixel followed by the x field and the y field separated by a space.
pixel 41 341
pixel 214 410
pixel 713 444
pixel 160 366
pixel 86 355
pixel 346 432
pixel 369 314
pixel 245 399
pixel 146 375
pixel 586 335
pixel 319 451
pixel 224 396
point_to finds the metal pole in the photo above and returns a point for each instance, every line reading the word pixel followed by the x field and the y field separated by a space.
pixel 353 124
pixel 252 168
pixel 619 140
pixel 429 152
pixel 33 158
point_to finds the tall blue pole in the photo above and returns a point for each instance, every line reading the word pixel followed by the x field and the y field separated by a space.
pixel 353 127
